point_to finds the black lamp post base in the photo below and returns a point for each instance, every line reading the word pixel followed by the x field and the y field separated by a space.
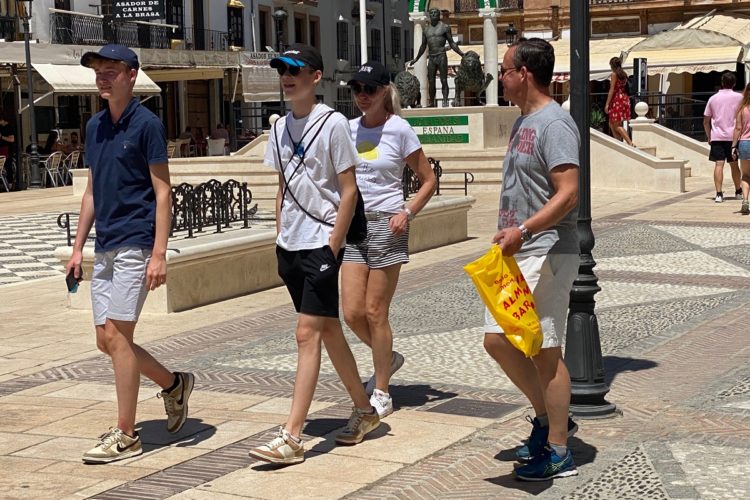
pixel 587 401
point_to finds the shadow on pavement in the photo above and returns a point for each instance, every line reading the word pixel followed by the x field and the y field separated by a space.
pixel 154 434
pixel 614 365
pixel 413 396
pixel 583 454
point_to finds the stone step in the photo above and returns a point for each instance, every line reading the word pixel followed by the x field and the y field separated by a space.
pixel 648 150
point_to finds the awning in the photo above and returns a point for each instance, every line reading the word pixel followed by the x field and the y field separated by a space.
pixel 72 80
pixel 183 74
pixel 260 82
pixel 696 60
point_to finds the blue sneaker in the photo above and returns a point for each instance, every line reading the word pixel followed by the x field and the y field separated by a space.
pixel 538 439
pixel 547 465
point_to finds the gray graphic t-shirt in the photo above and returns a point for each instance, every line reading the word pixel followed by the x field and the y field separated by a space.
pixel 539 142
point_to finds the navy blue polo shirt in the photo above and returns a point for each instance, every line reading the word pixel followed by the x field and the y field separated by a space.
pixel 119 155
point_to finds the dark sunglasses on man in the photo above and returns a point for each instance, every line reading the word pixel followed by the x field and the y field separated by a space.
pixel 293 70
pixel 358 88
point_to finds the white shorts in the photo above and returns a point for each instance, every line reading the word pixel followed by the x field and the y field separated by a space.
pixel 550 278
pixel 118 285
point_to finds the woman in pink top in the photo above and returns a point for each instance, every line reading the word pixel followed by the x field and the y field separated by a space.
pixel 741 146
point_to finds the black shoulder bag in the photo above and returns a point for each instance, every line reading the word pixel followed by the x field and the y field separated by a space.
pixel 358 227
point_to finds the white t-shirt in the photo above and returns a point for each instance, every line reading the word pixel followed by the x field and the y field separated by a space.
pixel 382 156
pixel 315 183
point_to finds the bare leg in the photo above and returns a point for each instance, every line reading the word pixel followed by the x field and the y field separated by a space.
pixel 555 384
pixel 735 169
pixel 344 363
pixel 353 292
pixel 431 73
pixel 152 369
pixel 380 289
pixel 745 182
pixel 308 336
pixel 519 369
pixel 719 175
pixel 117 338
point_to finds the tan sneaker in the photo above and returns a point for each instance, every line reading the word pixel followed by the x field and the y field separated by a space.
pixel 176 401
pixel 360 423
pixel 113 445
pixel 280 450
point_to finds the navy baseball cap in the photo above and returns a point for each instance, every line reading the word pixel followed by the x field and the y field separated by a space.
pixel 371 73
pixel 112 52
pixel 299 55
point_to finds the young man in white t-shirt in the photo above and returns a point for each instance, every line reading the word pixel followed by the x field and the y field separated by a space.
pixel 312 150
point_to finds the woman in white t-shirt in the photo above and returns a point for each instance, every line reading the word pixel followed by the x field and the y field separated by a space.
pixel 385 143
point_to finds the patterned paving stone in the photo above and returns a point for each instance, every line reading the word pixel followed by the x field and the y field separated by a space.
pixel 616 294
pixel 723 476
pixel 708 237
pixel 692 262
pixel 629 239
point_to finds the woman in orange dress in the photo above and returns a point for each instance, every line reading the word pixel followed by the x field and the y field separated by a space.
pixel 618 101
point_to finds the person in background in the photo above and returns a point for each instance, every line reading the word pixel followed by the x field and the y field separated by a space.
pixel 221 133
pixel 53 143
pixel 187 134
pixel 618 101
pixel 741 147
pixel 199 139
pixel 386 143
pixel 719 125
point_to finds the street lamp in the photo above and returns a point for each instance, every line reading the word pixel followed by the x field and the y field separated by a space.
pixel 583 350
pixel 510 35
pixel 25 14
pixel 280 15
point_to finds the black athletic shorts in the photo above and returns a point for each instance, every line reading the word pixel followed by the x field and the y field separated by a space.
pixel 312 278
pixel 721 151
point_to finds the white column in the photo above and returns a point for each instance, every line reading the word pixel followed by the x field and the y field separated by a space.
pixel 363 31
pixel 418 19
pixel 489 16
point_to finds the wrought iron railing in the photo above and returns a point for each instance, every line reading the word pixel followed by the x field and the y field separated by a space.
pixel 8 28
pixel 86 29
pixel 201 39
pixel 410 183
pixel 460 6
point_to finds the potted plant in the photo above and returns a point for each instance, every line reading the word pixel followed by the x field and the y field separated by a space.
pixel 598 118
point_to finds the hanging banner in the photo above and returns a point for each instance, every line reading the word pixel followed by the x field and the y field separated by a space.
pixel 260 82
pixel 138 10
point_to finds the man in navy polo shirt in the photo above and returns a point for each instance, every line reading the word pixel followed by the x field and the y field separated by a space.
pixel 128 195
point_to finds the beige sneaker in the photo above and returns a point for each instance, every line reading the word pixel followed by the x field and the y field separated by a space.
pixel 176 401
pixel 280 450
pixel 360 424
pixel 113 445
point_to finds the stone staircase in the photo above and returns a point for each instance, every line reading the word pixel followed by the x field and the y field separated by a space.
pixel 651 150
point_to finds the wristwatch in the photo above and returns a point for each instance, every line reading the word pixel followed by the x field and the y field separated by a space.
pixel 409 214
pixel 525 233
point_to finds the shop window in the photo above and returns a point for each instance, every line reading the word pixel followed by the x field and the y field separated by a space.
pixel 236 27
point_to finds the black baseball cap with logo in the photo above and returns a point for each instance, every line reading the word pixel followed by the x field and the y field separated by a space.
pixel 299 55
pixel 371 73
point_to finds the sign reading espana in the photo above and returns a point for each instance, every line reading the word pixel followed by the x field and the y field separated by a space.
pixel 138 9
pixel 446 129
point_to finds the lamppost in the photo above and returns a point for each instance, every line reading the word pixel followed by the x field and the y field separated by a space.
pixel 510 35
pixel 280 16
pixel 25 14
pixel 583 351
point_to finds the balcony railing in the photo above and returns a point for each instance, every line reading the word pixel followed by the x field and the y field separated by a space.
pixel 86 29
pixel 200 39
pixel 461 6
pixel 8 28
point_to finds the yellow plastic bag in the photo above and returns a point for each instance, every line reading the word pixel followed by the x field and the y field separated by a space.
pixel 506 294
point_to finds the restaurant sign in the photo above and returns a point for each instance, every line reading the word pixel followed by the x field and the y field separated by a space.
pixel 446 129
pixel 138 10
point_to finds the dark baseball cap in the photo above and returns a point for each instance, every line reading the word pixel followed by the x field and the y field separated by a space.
pixel 111 52
pixel 299 55
pixel 371 73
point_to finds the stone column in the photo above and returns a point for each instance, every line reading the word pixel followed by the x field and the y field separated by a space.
pixel 418 19
pixel 489 15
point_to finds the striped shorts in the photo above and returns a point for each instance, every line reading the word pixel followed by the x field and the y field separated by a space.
pixel 381 248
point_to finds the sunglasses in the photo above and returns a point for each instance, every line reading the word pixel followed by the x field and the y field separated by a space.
pixel 292 70
pixel 366 88
pixel 505 71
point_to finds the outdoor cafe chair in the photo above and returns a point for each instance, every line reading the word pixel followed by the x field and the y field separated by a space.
pixel 216 147
pixel 171 149
pixel 3 175
pixel 52 167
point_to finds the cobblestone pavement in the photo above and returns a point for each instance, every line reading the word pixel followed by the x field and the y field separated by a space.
pixel 672 320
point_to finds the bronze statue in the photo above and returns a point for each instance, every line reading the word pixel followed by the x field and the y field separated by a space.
pixel 434 37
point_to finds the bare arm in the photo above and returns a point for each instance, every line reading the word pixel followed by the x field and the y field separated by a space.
pixel 565 181
pixel 421 50
pixel 707 127
pixel 737 128
pixel 156 274
pixel 418 163
pixel 278 203
pixel 452 44
pixel 85 223
pixel 611 93
pixel 348 184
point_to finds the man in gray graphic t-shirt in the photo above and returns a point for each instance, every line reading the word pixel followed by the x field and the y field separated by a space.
pixel 537 224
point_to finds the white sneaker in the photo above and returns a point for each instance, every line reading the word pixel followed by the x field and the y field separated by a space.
pixel 282 449
pixel 113 445
pixel 382 402
pixel 397 361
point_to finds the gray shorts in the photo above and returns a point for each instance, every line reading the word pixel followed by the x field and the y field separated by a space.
pixel 381 248
pixel 118 285
pixel 551 278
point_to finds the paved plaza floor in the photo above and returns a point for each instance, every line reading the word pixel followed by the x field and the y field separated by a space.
pixel 674 276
